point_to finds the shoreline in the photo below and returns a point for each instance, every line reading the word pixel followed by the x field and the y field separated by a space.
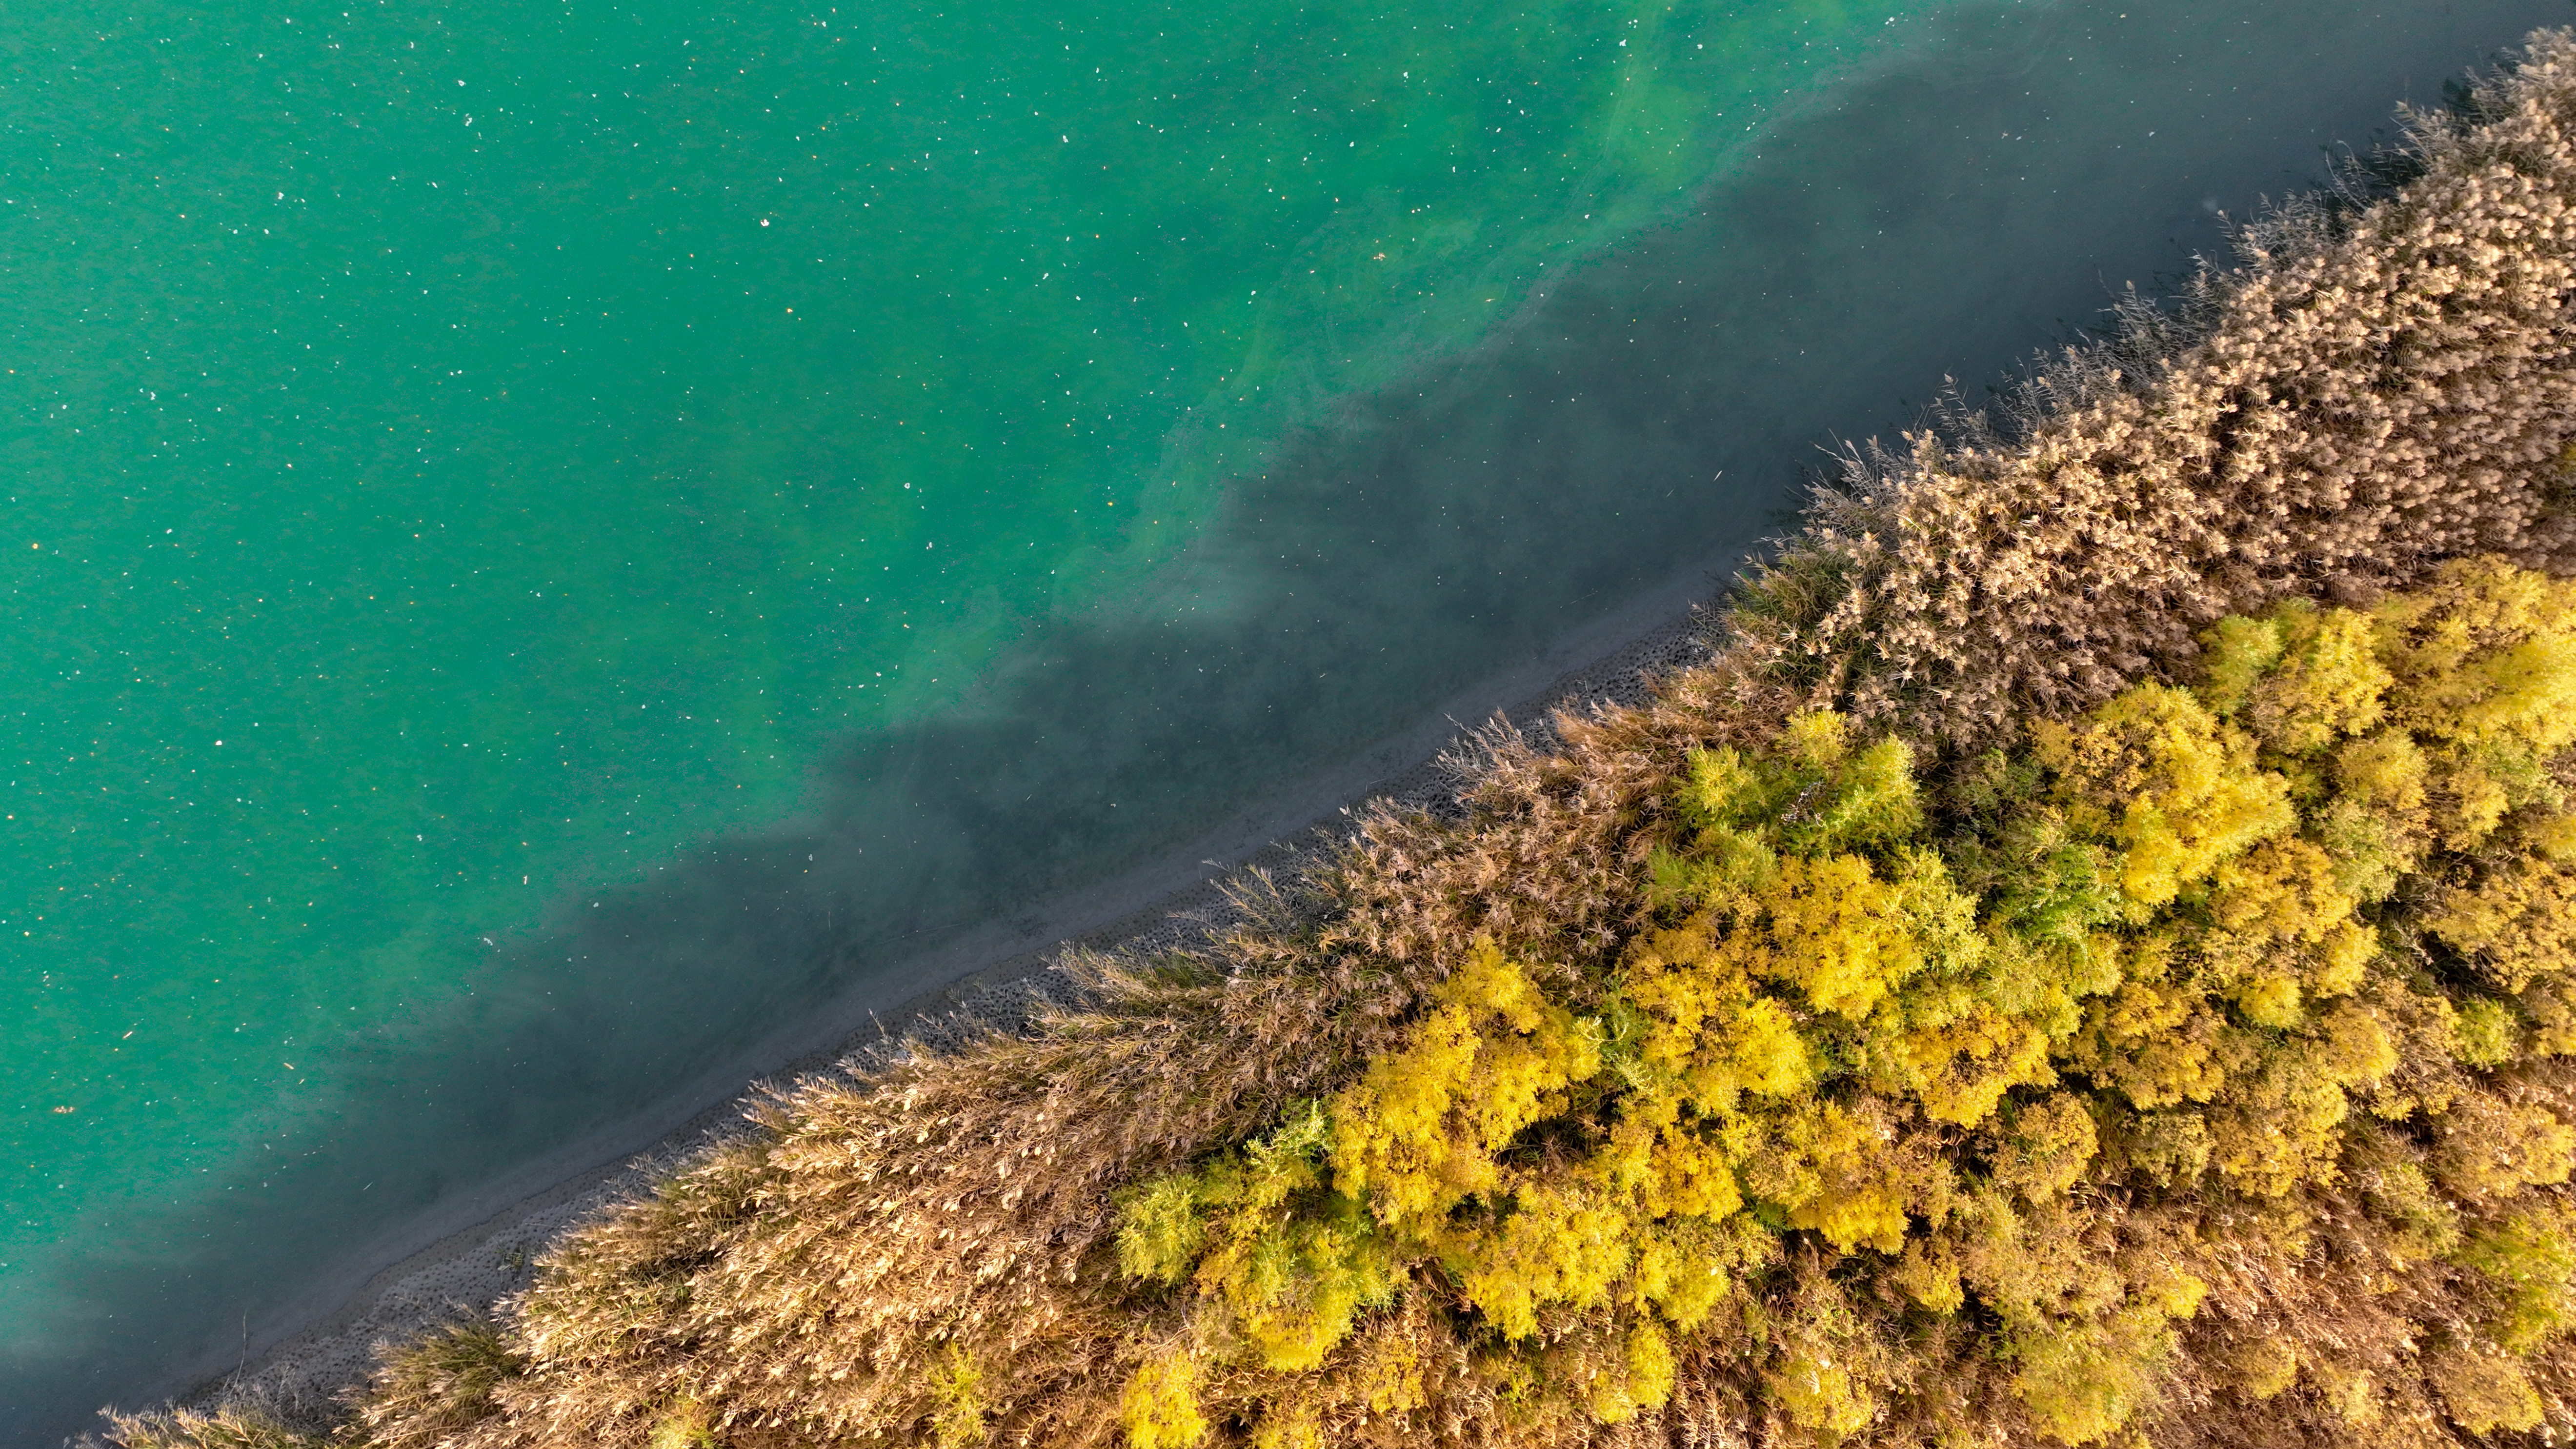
pixel 461 1257
pixel 443 1259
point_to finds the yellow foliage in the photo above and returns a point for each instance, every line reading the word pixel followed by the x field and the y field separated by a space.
pixel 2518 923
pixel 1687 1266
pixel 1288 1428
pixel 1929 1275
pixel 1160 1231
pixel 958 1388
pixel 1160 1407
pixel 2529 1261
pixel 1293 1263
pixel 2350 1047
pixel 2281 893
pixel 1296 1290
pixel 2236 653
pixel 2049 1148
pixel 2158 1042
pixel 1391 1375
pixel 1640 1377
pixel 2263 1366
pixel 1708 1031
pixel 2350 1394
pixel 2083 1381
pixel 1820 1396
pixel 1837 933
pixel 1422 1128
pixel 2299 679
pixel 1961 1061
pixel 1812 1376
pixel 2482 654
pixel 2343 964
pixel 2328 684
pixel 2484 1391
pixel 2491 1147
pixel 2485 662
pixel 1814 794
pixel 2376 825
pixel 2485 1033
pixel 1560 1244
pixel 2172 787
pixel 1828 1167
pixel 2402 1195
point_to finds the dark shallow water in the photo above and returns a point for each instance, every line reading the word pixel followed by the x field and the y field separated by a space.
pixel 1978 189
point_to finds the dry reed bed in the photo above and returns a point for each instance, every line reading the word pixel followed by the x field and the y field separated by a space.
pixel 2379 384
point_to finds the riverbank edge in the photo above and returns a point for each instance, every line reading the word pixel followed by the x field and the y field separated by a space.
pixel 457 1261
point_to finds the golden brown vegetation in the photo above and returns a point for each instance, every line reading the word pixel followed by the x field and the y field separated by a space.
pixel 2186 1060
pixel 2376 387
pixel 2050 980
pixel 231 1428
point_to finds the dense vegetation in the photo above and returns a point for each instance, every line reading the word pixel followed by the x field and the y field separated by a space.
pixel 2092 961
pixel 2207 1049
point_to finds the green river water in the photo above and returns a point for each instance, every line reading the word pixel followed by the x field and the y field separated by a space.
pixel 544 539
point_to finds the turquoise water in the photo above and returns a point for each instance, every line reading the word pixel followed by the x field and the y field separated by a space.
pixel 546 540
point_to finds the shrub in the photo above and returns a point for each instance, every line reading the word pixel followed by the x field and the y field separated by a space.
pixel 442 1382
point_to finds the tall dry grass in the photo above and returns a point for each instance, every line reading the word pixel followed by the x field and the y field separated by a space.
pixel 2380 382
